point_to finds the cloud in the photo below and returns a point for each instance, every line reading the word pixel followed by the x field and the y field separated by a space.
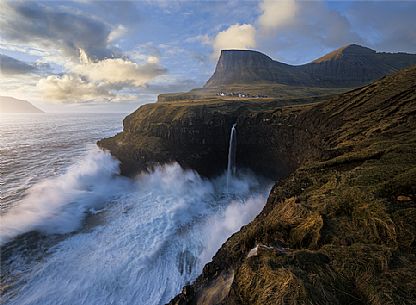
pixel 105 80
pixel 12 66
pixel 390 26
pixel 117 33
pixel 237 36
pixel 276 13
pixel 120 71
pixel 56 27
pixel 72 89
pixel 287 28
pixel 91 68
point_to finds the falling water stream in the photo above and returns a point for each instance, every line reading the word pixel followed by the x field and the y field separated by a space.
pixel 232 147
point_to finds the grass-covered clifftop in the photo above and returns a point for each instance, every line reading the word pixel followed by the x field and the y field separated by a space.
pixel 341 229
pixel 193 129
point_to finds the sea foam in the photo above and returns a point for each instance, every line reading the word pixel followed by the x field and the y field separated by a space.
pixel 157 233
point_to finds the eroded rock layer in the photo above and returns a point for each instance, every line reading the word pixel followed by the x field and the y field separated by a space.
pixel 350 66
pixel 341 228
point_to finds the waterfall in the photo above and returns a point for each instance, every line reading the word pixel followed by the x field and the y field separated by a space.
pixel 232 147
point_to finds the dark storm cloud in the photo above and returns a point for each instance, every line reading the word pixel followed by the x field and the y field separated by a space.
pixel 56 28
pixel 12 66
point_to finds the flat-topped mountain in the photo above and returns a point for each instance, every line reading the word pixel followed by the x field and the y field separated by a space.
pixel 12 105
pixel 350 66
pixel 244 66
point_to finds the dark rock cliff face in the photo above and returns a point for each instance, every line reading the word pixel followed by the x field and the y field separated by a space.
pixel 341 228
pixel 242 66
pixel 349 66
pixel 338 228
pixel 272 139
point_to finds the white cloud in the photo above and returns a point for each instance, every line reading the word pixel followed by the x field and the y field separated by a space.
pixel 237 36
pixel 153 60
pixel 100 80
pixel 276 13
pixel 117 33
pixel 119 70
pixel 72 88
pixel 285 27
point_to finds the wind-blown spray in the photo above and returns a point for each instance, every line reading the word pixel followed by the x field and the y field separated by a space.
pixel 156 234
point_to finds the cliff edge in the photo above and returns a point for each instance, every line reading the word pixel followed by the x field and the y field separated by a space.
pixel 341 228
pixel 338 227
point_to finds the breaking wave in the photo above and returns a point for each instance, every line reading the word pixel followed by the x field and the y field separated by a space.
pixel 154 235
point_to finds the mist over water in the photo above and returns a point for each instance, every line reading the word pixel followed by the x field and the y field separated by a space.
pixel 124 241
pixel 58 204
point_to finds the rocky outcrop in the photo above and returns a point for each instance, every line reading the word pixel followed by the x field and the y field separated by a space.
pixel 341 228
pixel 245 66
pixel 349 66
pixel 271 137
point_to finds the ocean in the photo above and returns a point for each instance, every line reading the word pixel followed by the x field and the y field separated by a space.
pixel 73 231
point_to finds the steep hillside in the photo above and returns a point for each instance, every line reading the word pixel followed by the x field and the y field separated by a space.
pixel 341 228
pixel 12 105
pixel 242 66
pixel 338 228
pixel 349 66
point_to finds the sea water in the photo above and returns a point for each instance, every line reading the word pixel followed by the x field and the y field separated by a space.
pixel 73 231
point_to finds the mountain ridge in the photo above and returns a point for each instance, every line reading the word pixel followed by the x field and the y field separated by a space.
pixel 11 105
pixel 349 66
pixel 339 224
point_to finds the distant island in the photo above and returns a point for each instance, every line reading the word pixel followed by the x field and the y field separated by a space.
pixel 11 105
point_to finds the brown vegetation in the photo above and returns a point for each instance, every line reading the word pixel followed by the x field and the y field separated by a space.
pixel 346 218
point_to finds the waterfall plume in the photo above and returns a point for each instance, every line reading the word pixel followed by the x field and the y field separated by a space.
pixel 232 147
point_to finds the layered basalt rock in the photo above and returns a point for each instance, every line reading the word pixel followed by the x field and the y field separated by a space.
pixel 338 228
pixel 349 66
pixel 272 139
pixel 341 228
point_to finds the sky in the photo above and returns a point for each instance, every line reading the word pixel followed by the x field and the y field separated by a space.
pixel 112 56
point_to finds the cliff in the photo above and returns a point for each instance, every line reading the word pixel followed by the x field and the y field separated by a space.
pixel 12 105
pixel 349 66
pixel 196 135
pixel 245 66
pixel 340 229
